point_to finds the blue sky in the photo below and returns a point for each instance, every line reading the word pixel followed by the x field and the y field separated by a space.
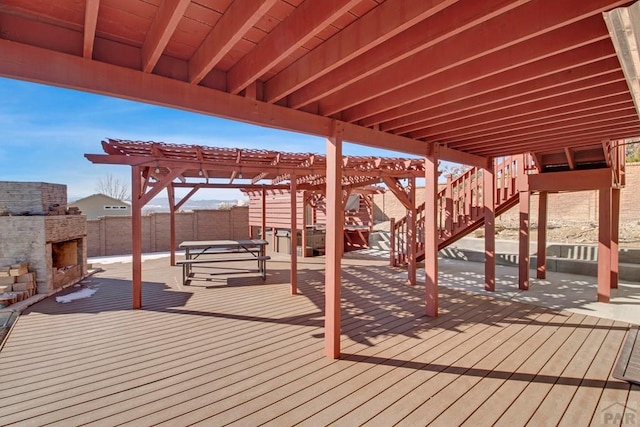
pixel 45 132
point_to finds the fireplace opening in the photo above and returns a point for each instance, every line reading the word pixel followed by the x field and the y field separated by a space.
pixel 65 262
pixel 64 254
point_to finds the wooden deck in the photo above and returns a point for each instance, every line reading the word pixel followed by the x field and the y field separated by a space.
pixel 238 351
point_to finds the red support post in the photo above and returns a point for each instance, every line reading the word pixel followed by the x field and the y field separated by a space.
pixel 136 236
pixel 488 197
pixel 172 222
pixel 294 236
pixel 411 233
pixel 541 268
pixel 304 224
pixel 615 236
pixel 392 242
pixel 264 213
pixel 334 239
pixel 448 207
pixel 523 250
pixel 604 244
pixel 431 232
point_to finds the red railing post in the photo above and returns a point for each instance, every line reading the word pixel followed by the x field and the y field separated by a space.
pixel 392 242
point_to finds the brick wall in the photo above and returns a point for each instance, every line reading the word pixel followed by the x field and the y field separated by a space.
pixel 581 207
pixel 32 197
pixel 563 208
pixel 111 235
pixel 65 227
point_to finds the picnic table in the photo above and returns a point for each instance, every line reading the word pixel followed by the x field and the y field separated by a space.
pixel 202 252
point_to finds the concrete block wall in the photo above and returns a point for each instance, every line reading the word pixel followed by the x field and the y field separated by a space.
pixel 111 235
pixel 31 197
pixel 15 248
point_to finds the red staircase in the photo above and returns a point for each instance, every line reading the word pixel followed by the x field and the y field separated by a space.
pixel 460 207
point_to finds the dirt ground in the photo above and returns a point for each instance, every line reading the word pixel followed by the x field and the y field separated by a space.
pixel 559 232
pixel 572 233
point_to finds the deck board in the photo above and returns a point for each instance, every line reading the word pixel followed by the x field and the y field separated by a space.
pixel 517 379
pixel 582 407
pixel 533 336
pixel 239 351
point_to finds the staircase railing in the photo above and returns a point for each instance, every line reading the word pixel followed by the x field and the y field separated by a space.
pixel 460 207
pixel 616 159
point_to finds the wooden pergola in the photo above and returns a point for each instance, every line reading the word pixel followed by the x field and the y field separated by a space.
pixel 458 80
pixel 156 166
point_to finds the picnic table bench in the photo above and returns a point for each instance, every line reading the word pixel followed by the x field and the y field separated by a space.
pixel 200 252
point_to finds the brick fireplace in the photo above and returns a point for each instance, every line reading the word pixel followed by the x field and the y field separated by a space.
pixel 36 227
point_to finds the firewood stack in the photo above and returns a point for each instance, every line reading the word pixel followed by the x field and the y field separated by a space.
pixel 16 284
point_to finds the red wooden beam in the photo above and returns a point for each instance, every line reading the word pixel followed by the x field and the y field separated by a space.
pixel 334 241
pixel 541 256
pixel 581 125
pixel 488 198
pixel 554 99
pixel 615 236
pixel 604 244
pixel 294 237
pixel 396 187
pixel 533 36
pixel 263 211
pixel 239 18
pixel 571 101
pixel 189 194
pixel 431 233
pixel 90 23
pixel 165 22
pixel 524 238
pixel 304 23
pixel 578 180
pixel 171 196
pixel 417 38
pixel 585 136
pixel 26 63
pixel 457 90
pixel 411 233
pixel 385 21
pixel 557 143
pixel 598 111
pixel 160 185
pixel 136 236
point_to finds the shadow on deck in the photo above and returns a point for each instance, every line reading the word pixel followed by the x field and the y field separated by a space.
pixel 237 350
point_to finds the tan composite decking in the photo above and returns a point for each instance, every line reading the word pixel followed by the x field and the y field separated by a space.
pixel 241 352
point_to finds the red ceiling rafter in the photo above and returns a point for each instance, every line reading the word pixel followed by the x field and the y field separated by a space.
pixel 298 28
pixel 385 21
pixel 237 20
pixel 164 24
pixel 541 75
pixel 419 37
pixel 394 74
pixel 523 107
pixel 90 22
pixel 491 57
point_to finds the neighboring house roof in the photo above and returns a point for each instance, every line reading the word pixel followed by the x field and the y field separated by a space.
pixel 98 205
pixel 99 196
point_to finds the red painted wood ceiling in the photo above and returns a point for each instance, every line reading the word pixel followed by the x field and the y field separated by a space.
pixel 491 77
